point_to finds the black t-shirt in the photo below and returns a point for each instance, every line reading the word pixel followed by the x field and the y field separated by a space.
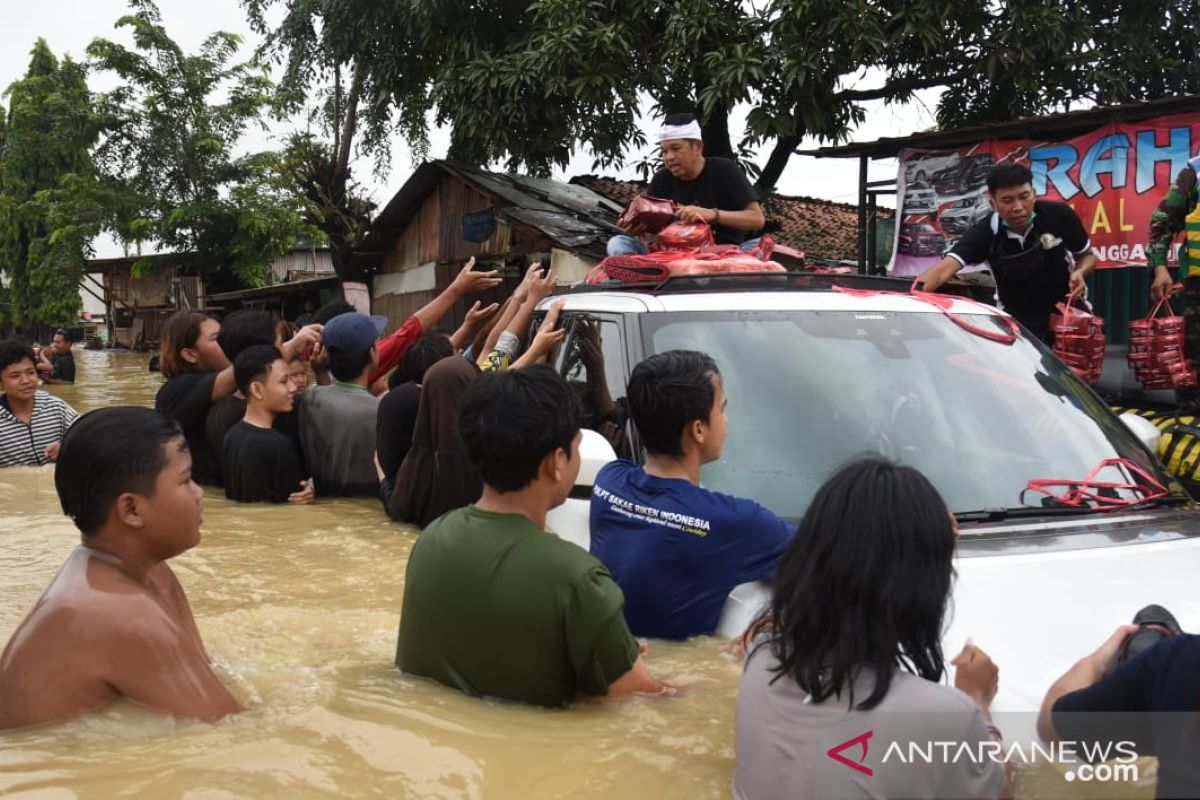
pixel 64 367
pixel 222 416
pixel 289 425
pixel 228 411
pixel 1152 700
pixel 394 423
pixel 186 399
pixel 260 465
pixel 1030 277
pixel 720 185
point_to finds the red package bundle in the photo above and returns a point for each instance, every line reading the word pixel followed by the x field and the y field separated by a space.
pixel 662 264
pixel 684 236
pixel 651 213
pixel 1079 340
pixel 1156 350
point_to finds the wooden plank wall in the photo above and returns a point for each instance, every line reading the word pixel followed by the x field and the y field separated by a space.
pixel 399 307
pixel 428 220
pixel 457 198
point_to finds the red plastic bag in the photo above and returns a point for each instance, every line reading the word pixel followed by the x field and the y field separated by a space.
pixel 685 236
pixel 652 213
pixel 662 264
pixel 1156 350
pixel 1079 340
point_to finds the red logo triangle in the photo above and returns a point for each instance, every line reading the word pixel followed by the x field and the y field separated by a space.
pixel 835 752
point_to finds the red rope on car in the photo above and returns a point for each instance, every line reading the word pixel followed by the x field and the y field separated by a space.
pixel 1079 492
pixel 944 303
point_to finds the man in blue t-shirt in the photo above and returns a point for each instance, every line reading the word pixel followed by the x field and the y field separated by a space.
pixel 676 549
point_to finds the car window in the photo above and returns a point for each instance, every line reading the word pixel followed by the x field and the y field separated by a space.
pixel 810 390
pixel 594 365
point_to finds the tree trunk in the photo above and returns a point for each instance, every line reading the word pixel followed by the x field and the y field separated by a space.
pixel 780 155
pixel 349 123
pixel 716 133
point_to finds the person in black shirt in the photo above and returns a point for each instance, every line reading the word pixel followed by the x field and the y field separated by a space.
pixel 240 331
pixel 260 463
pixel 198 374
pixel 62 362
pixel 708 189
pixel 1038 251
pixel 397 415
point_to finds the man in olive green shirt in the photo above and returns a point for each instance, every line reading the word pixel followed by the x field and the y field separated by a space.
pixel 493 604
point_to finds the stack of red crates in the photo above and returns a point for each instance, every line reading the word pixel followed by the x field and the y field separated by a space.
pixel 1156 351
pixel 1079 340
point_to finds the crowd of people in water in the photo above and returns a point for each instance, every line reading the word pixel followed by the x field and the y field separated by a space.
pixel 472 437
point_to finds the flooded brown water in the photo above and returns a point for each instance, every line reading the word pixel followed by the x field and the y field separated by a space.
pixel 299 608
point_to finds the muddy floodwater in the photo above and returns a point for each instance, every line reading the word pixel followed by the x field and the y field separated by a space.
pixel 299 609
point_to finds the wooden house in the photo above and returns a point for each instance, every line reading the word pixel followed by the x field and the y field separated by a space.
pixel 447 213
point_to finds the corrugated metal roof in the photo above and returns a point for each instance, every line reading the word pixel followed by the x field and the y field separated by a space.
pixel 573 217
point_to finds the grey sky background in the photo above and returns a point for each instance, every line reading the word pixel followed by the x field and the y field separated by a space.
pixel 69 25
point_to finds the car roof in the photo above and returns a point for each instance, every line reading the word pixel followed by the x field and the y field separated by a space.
pixel 889 296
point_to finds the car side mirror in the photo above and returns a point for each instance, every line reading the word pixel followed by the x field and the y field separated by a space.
pixel 594 453
pixel 1145 430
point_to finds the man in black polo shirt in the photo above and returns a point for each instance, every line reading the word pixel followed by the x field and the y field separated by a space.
pixel 707 189
pixel 1038 250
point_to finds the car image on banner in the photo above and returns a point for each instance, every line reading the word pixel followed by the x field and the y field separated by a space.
pixel 960 215
pixel 922 239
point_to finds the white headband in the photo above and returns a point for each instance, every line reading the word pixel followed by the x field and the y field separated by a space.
pixel 689 131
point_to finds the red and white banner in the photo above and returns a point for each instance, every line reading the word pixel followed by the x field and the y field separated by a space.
pixel 1113 177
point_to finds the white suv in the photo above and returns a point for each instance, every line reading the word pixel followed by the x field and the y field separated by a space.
pixel 816 376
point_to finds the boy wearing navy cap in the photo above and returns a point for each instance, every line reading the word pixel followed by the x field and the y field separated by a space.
pixel 337 422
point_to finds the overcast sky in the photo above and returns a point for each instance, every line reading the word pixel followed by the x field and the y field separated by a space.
pixel 68 26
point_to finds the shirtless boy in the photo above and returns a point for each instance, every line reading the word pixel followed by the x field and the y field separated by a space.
pixel 115 622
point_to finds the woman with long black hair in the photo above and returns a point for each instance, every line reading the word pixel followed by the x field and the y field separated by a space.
pixel 848 661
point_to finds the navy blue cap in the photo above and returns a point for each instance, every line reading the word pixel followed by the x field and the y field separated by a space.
pixel 353 332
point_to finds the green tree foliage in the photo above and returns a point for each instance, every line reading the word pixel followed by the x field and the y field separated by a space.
pixel 44 143
pixel 167 170
pixel 352 114
pixel 528 82
pixel 317 171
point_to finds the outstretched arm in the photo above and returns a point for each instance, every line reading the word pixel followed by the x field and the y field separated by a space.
pixel 474 316
pixel 937 275
pixel 1087 671
pixel 467 282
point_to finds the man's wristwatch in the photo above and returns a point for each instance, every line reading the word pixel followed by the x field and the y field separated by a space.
pixel 716 216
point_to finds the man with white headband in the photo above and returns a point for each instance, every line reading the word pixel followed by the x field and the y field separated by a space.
pixel 712 190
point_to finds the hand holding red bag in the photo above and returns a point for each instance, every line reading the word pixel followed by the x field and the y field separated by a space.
pixel 1079 340
pixel 647 214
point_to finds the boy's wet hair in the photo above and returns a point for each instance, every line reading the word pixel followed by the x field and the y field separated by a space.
pixel 108 452
pixel 13 351
pixel 510 421
pixel 347 366
pixel 332 309
pixel 242 330
pixel 420 356
pixel 667 392
pixel 254 364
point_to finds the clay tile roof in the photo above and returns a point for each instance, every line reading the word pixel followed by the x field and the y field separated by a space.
pixel 822 228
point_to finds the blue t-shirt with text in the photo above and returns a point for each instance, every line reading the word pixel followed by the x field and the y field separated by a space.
pixel 676 549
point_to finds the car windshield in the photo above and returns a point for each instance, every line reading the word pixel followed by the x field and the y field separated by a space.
pixel 810 390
